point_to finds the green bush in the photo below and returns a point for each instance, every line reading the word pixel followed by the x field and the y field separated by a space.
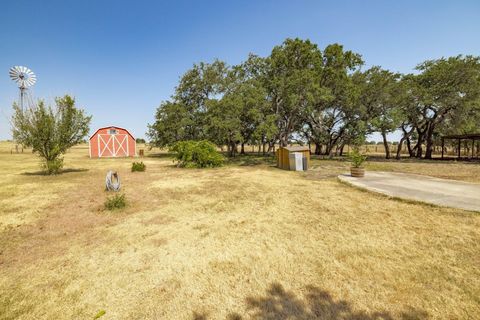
pixel 356 158
pixel 118 201
pixel 197 154
pixel 138 166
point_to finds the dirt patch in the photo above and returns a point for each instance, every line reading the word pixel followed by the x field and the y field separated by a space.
pixel 159 242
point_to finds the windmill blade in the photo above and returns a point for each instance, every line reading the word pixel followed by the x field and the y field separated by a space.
pixel 14 73
pixel 23 76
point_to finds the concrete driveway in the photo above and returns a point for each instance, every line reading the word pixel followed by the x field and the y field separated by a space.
pixel 437 191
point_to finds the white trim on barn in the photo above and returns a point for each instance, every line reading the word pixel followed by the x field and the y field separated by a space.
pixel 116 142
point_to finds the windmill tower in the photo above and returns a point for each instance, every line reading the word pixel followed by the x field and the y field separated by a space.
pixel 25 78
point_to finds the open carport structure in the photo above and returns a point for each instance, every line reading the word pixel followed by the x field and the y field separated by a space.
pixel 462 137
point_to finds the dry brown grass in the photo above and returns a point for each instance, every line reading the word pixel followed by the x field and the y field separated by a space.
pixel 238 242
pixel 455 170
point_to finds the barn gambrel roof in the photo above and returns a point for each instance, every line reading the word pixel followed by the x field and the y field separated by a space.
pixel 111 127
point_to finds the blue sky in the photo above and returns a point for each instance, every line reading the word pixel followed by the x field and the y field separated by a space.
pixel 120 59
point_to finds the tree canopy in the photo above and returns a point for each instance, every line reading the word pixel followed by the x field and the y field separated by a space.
pixel 300 93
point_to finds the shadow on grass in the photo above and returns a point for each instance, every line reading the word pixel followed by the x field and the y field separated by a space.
pixel 63 171
pixel 248 160
pixel 279 304
pixel 160 155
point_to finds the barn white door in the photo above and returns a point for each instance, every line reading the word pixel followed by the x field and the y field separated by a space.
pixel 113 145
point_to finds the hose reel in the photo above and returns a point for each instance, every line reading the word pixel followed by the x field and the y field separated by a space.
pixel 112 181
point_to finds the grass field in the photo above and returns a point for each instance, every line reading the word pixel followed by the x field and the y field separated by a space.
pixel 245 241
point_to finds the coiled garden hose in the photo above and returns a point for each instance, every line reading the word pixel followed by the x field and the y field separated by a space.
pixel 112 181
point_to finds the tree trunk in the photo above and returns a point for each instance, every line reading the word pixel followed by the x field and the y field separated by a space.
pixel 429 144
pixel 409 147
pixel 399 148
pixel 385 144
pixel 330 153
pixel 271 146
pixel 242 150
pixel 328 149
pixel 418 149
pixel 233 149
pixel 419 152
pixel 318 148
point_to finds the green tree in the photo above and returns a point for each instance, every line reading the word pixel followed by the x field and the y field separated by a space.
pixel 235 118
pixel 223 124
pixel 379 90
pixel 173 122
pixel 445 89
pixel 250 97
pixel 292 84
pixel 184 117
pixel 259 120
pixel 333 119
pixel 405 102
pixel 197 87
pixel 50 132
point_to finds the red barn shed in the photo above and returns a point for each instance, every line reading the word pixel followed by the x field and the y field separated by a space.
pixel 112 142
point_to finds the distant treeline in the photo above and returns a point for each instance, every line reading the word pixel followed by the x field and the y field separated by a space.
pixel 301 94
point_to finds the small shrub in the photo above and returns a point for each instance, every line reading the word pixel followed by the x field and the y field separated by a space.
pixel 138 166
pixel 197 154
pixel 117 201
pixel 99 314
pixel 356 158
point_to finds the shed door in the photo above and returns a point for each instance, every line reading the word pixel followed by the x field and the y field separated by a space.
pixel 113 145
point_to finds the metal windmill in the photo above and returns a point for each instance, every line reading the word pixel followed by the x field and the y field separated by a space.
pixel 24 78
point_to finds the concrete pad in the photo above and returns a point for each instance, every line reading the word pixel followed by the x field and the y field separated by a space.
pixel 449 193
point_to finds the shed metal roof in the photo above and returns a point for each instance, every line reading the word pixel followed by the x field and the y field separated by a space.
pixel 297 148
